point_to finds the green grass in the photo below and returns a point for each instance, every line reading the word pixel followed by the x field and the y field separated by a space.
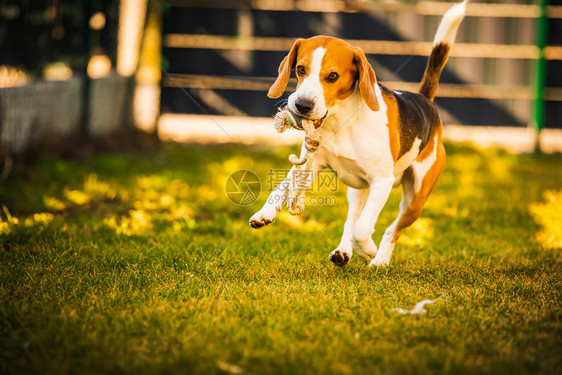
pixel 138 263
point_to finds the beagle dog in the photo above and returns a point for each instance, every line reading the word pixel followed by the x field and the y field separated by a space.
pixel 373 138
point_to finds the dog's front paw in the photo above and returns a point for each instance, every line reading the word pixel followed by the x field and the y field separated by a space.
pixel 384 254
pixel 339 257
pixel 366 251
pixel 380 261
pixel 263 217
pixel 366 255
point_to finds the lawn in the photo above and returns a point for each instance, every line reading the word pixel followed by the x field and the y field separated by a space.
pixel 138 263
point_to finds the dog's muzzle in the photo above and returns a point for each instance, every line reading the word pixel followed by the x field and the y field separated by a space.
pixel 295 120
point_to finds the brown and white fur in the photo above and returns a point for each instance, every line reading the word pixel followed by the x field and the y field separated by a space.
pixel 374 138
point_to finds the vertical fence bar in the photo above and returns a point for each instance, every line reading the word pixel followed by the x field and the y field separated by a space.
pixel 537 121
pixel 85 117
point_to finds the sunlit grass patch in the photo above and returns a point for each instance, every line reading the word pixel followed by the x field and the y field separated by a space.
pixel 549 216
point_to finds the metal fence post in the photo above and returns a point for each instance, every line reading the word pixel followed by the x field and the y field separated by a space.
pixel 537 121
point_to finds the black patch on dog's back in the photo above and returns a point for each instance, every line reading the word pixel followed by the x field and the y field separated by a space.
pixel 417 118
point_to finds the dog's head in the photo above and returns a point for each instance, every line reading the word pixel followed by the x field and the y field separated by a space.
pixel 328 70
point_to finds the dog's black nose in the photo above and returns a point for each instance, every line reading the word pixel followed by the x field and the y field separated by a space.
pixel 304 105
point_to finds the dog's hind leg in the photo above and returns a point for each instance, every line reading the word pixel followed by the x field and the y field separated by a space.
pixel 356 199
pixel 417 183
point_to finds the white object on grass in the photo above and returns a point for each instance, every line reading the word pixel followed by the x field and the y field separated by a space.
pixel 230 368
pixel 418 309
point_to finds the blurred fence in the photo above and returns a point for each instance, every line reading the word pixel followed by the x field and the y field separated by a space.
pixel 225 54
pixel 64 74
pixel 47 111
pixel 30 113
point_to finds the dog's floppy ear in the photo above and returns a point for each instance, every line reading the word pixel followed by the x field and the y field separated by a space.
pixel 367 79
pixel 288 64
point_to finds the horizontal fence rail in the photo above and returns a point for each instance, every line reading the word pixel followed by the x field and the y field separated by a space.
pixel 382 47
pixel 426 8
pixel 448 90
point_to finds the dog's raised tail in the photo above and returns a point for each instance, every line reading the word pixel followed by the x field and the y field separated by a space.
pixel 444 39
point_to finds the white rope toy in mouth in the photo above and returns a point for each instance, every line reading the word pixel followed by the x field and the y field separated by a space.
pixel 298 181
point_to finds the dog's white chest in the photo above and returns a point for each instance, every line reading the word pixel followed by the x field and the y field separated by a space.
pixel 358 150
pixel 357 161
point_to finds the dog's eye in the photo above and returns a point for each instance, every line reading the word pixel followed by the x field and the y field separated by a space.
pixel 333 77
pixel 300 70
